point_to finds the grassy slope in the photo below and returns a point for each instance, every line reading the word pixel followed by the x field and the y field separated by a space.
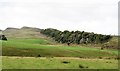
pixel 35 47
pixel 29 42
pixel 113 42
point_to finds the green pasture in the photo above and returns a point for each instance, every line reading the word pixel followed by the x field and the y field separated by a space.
pixel 45 48
pixel 53 63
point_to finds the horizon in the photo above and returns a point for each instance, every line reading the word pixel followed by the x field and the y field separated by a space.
pixel 57 29
pixel 83 15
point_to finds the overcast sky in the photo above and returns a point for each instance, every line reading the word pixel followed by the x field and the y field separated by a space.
pixel 99 16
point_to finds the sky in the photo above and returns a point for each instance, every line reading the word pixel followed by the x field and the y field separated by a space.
pixel 98 16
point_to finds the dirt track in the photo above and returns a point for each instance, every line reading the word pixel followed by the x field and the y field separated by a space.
pixel 74 58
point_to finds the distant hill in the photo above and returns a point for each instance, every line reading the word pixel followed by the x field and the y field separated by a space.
pixel 0 31
pixel 32 32
pixel 30 29
pixel 24 32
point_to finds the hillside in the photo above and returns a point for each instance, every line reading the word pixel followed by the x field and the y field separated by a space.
pixel 82 38
pixel 24 32
pixel 32 33
pixel 35 47
pixel 27 48
pixel 112 43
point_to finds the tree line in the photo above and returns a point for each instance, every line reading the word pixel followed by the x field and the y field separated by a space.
pixel 75 37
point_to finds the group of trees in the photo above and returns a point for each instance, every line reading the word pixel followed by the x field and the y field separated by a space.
pixel 75 37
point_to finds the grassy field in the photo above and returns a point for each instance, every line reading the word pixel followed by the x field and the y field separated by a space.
pixel 57 63
pixel 41 54
pixel 35 47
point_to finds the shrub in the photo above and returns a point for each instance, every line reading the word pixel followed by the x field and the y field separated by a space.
pixel 39 55
pixel 80 66
pixel 66 62
pixel 2 37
